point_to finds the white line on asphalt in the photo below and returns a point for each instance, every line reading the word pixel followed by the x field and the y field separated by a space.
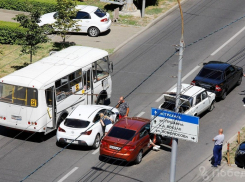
pixel 68 174
pixel 140 114
pixel 227 41
pixel 96 151
pixel 183 79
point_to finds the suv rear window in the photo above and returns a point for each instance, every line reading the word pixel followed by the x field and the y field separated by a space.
pixel 212 74
pixel 122 133
pixel 76 123
pixel 100 13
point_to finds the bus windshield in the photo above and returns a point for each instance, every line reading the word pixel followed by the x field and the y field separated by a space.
pixel 18 95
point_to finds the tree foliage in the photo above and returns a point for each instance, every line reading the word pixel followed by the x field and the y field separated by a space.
pixel 64 22
pixel 34 34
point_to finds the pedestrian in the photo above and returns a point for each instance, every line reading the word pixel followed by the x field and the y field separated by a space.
pixel 217 151
pixel 102 122
pixel 123 108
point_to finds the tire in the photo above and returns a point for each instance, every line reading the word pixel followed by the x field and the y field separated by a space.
pixel 224 95
pixel 139 157
pixel 93 32
pixel 211 107
pixel 239 81
pixel 96 143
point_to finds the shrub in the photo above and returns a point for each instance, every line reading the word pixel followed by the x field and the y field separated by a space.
pixel 10 32
pixel 22 5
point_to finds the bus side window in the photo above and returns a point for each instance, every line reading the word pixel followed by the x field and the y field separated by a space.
pixel 48 94
pixel 100 69
pixel 86 80
pixel 62 89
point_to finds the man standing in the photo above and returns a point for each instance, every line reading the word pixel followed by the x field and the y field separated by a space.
pixel 123 108
pixel 217 151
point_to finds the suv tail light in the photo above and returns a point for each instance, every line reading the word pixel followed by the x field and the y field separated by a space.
pixel 193 83
pixel 61 129
pixel 104 20
pixel 87 132
pixel 129 148
pixel 218 88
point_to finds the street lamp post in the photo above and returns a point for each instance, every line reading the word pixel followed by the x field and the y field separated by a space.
pixel 175 140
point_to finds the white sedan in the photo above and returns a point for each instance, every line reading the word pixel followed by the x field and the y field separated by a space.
pixel 90 19
pixel 83 126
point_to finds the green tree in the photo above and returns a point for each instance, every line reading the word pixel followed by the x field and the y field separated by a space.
pixel 34 34
pixel 64 22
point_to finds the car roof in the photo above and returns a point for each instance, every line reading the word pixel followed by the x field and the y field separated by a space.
pixel 133 123
pixel 85 111
pixel 86 8
pixel 217 65
pixel 188 90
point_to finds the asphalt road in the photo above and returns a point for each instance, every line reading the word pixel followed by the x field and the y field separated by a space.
pixel 140 75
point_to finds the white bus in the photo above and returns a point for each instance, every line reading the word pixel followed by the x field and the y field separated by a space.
pixel 38 97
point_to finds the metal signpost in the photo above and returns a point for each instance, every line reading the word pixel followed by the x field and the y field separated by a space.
pixel 176 125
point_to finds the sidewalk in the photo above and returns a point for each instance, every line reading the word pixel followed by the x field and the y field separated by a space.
pixel 115 37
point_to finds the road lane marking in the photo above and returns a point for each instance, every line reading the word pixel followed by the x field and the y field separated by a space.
pixel 228 41
pixel 68 174
pixel 96 151
pixel 183 79
pixel 140 114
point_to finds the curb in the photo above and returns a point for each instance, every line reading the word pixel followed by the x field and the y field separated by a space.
pixel 13 11
pixel 149 25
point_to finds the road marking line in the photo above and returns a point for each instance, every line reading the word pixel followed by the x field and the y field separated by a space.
pixel 227 42
pixel 68 174
pixel 140 114
pixel 184 78
pixel 96 151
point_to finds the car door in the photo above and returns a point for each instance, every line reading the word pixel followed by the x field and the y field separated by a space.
pixel 83 20
pixel 230 77
pixel 205 101
pixel 144 137
pixel 96 121
pixel 198 104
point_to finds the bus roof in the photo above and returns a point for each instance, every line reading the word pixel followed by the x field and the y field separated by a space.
pixel 51 68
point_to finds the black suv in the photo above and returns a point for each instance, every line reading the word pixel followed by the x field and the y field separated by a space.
pixel 218 77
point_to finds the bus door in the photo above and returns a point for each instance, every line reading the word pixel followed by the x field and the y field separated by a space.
pixel 88 86
pixel 51 107
pixel 17 110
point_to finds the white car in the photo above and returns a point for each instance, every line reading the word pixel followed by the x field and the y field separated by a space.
pixel 90 19
pixel 194 100
pixel 83 126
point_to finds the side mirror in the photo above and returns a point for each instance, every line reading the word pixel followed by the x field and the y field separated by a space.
pixel 111 67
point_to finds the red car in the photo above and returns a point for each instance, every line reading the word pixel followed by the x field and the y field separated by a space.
pixel 127 140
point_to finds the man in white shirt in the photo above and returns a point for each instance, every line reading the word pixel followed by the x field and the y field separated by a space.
pixel 217 151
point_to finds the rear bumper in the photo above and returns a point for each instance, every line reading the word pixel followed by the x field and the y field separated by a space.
pixel 105 27
pixel 114 154
pixel 76 142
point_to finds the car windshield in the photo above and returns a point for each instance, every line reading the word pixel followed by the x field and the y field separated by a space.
pixel 212 74
pixel 76 123
pixel 242 146
pixel 100 13
pixel 122 133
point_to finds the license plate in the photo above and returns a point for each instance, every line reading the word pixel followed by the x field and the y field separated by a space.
pixel 114 147
pixel 74 142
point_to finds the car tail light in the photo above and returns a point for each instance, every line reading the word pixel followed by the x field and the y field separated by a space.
pixel 103 143
pixel 61 129
pixel 129 148
pixel 193 83
pixel 218 88
pixel 104 20
pixel 87 132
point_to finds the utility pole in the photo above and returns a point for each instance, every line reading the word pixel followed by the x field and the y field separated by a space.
pixel 175 140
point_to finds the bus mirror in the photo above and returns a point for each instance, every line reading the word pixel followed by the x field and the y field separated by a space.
pixel 111 66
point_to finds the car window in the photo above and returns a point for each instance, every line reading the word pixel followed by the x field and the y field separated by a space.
pixel 82 15
pixel 212 74
pixel 198 98
pixel 227 72
pixel 144 131
pixel 100 13
pixel 97 116
pixel 76 123
pixel 122 133
pixel 204 95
